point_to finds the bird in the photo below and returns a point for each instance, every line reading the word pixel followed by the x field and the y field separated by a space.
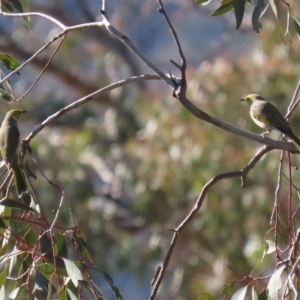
pixel 10 136
pixel 267 116
pixel 9 142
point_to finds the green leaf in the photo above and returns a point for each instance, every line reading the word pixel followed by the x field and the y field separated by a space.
pixel 82 246
pixel 73 271
pixel 224 2
pixel 205 296
pixel 240 293
pixel 277 285
pixel 21 6
pixel 7 8
pixel 25 6
pixel 4 95
pixel 63 293
pixel 2 223
pixel 230 267
pixel 3 276
pixel 239 9
pixel 228 288
pixel 60 245
pixel 45 244
pixel 15 204
pixel 110 282
pixel 42 287
pixel 257 26
pixel 30 237
pixel 9 61
pixel 5 88
pixel 46 270
pixel 270 247
pixel 203 2
pixel 263 295
pixel 72 291
pixel 17 5
pixel 14 294
pixel 296 25
pixel 253 294
pixel 3 250
pixel 274 8
pixel 223 9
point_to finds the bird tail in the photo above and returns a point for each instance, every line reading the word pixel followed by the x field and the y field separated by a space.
pixel 295 140
pixel 20 183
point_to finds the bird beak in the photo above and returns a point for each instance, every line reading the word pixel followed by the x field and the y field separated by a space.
pixel 24 111
pixel 242 99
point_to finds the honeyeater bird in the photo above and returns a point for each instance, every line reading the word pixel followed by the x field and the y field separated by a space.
pixel 267 116
pixel 9 141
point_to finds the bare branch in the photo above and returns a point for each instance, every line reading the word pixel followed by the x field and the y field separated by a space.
pixel 61 34
pixel 135 50
pixel 43 70
pixel 242 173
pixel 85 99
pixel 183 59
pixel 32 14
pixel 294 102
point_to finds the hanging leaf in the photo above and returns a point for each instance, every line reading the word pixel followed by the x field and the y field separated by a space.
pixel 277 284
pixel 257 26
pixel 9 61
pixel 111 283
pixel 240 293
pixel 203 2
pixel 2 223
pixel 224 2
pixel 263 295
pixel 3 94
pixel 6 7
pixel 205 296
pixel 239 9
pixel 296 25
pixel 274 8
pixel 17 5
pixel 73 271
pixel 228 288
pixel 60 245
pixel 223 9
pixel 15 204
pixel 253 294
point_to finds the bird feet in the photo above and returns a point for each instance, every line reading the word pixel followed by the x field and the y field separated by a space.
pixel 264 133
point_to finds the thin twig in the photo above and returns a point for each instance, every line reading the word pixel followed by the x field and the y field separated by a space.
pixel 293 103
pixel 42 72
pixel 34 14
pixel 85 99
pixel 135 50
pixel 242 173
pixel 182 56
pixel 62 33
pixel 279 176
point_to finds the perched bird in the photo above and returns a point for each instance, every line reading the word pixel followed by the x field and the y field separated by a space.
pixel 266 115
pixel 10 136
pixel 9 141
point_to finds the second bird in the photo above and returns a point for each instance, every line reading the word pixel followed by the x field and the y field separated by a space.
pixel 267 116
pixel 9 142
pixel 10 136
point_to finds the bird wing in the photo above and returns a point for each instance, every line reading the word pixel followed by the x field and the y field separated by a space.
pixel 274 118
pixel 9 141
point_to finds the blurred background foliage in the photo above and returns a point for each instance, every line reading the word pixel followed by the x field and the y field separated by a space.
pixel 133 161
